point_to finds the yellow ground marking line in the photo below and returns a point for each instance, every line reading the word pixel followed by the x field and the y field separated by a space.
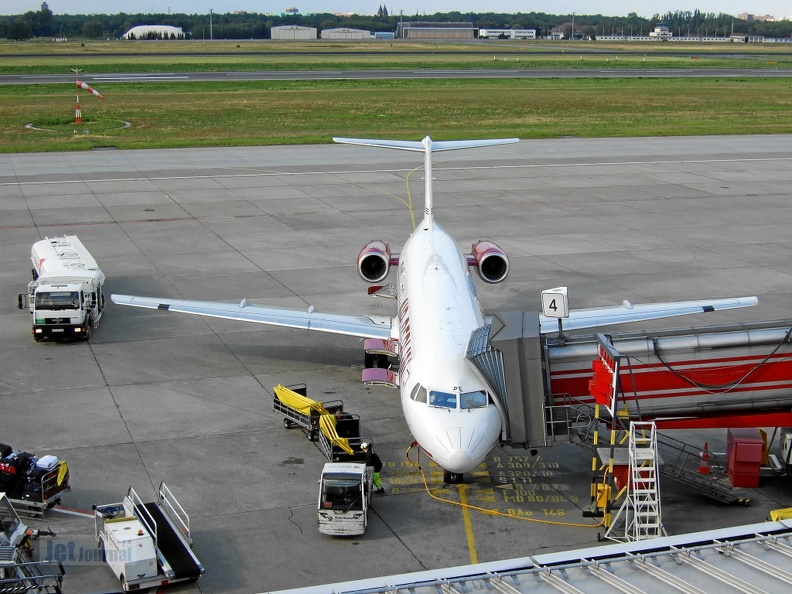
pixel 471 541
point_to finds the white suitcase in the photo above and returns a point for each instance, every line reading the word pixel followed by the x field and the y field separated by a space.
pixel 47 462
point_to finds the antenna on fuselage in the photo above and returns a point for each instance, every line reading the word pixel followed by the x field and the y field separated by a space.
pixel 427 147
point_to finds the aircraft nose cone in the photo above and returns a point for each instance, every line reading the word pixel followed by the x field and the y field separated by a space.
pixel 460 461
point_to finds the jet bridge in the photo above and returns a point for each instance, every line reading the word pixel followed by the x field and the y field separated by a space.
pixel 513 362
pixel 737 375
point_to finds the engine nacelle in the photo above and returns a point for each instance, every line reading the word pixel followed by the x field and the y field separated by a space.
pixel 373 262
pixel 490 260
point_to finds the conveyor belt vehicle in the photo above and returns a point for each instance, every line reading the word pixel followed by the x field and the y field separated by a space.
pixel 147 544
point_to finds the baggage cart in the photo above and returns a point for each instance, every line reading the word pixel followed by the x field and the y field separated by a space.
pixel 42 490
pixel 299 411
pixel 341 443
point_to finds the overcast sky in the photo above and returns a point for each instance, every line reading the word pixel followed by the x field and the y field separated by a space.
pixel 644 8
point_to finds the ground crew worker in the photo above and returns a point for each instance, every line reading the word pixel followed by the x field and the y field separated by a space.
pixel 374 461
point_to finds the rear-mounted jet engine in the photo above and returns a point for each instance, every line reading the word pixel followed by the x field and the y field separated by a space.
pixel 374 261
pixel 490 261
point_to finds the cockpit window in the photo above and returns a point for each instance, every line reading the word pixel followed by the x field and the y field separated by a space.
pixel 444 399
pixel 418 393
pixel 474 399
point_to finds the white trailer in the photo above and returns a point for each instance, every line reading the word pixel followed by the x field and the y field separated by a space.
pixel 147 544
pixel 66 296
pixel 344 498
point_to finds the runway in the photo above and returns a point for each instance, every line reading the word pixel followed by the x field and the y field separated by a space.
pixel 164 397
pixel 393 74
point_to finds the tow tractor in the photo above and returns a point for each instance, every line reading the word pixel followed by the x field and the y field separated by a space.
pixel 344 498
pixel 18 572
pixel 147 544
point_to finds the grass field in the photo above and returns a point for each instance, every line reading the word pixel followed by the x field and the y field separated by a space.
pixel 162 114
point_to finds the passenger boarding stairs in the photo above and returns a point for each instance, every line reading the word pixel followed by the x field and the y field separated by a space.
pixel 19 574
pixel 640 510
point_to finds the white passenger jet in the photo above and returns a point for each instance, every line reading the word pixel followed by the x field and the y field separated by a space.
pixel 452 410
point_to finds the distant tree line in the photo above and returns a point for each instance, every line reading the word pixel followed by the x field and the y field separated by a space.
pixel 43 23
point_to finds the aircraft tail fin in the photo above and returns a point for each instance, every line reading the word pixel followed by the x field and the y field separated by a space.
pixel 426 146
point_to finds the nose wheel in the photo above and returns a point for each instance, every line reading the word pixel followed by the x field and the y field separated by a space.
pixel 452 478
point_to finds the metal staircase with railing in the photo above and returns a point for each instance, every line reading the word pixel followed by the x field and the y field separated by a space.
pixel 640 513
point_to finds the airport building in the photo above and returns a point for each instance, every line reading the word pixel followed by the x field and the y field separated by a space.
pixel 507 33
pixel 345 33
pixel 428 30
pixel 294 32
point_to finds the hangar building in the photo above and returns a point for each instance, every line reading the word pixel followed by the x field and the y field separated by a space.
pixel 428 30
pixel 345 33
pixel 293 32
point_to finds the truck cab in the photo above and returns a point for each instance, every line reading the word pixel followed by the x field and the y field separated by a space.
pixel 344 497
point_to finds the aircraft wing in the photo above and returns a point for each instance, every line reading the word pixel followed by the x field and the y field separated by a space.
pixel 627 312
pixel 361 326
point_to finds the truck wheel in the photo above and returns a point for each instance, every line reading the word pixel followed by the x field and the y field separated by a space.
pixel 287 424
pixel 312 436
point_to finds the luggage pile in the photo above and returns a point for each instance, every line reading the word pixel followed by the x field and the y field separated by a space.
pixel 32 484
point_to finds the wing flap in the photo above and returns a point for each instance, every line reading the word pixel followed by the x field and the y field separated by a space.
pixel 361 326
pixel 627 312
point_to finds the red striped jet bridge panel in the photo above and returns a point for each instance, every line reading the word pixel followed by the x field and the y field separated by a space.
pixel 731 376
pixel 753 558
pixel 718 377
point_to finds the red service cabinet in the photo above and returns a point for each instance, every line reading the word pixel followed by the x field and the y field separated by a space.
pixel 744 449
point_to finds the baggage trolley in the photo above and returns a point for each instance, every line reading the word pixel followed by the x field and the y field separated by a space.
pixel 43 492
pixel 307 416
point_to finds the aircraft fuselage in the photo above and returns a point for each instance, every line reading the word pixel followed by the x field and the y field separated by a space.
pixel 447 404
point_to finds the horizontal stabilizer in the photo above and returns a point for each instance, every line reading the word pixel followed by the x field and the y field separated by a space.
pixel 361 326
pixel 627 312
pixel 419 146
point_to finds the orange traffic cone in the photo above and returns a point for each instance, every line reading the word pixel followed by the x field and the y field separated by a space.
pixel 704 464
